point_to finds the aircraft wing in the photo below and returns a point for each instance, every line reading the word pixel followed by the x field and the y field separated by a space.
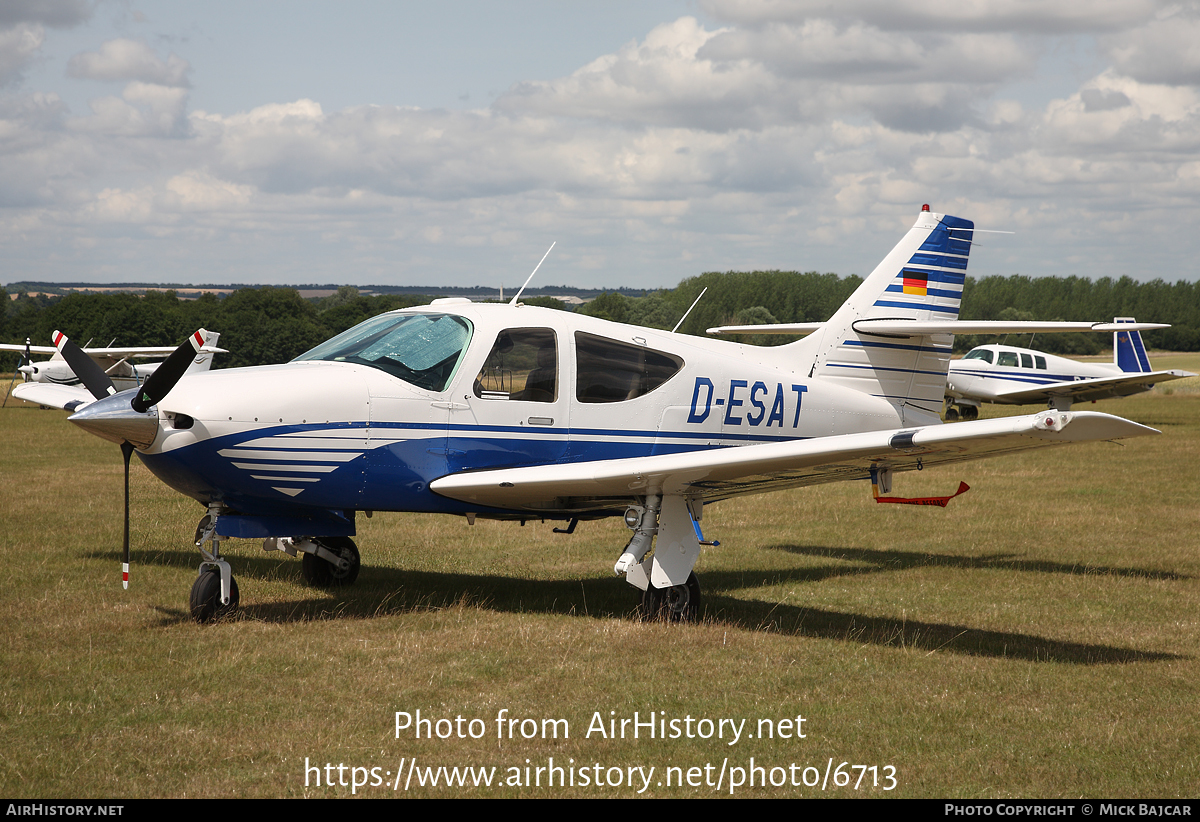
pixel 110 353
pixel 1097 388
pixel 915 328
pixel 53 395
pixel 721 473
pixel 33 349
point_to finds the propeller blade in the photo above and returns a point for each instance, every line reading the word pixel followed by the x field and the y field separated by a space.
pixel 160 383
pixel 126 452
pixel 90 374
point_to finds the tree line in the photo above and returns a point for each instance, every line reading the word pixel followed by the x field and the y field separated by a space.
pixel 272 325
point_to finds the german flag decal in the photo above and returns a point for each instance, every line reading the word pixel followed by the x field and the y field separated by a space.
pixel 915 283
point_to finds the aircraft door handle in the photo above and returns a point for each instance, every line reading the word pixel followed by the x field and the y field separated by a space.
pixel 452 406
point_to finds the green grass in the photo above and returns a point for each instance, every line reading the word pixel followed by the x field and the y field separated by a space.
pixel 1038 638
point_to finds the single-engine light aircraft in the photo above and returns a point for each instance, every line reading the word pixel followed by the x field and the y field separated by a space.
pixel 54 383
pixel 517 412
pixel 1021 376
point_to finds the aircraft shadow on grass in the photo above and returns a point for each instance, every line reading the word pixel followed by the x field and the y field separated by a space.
pixel 386 591
pixel 903 560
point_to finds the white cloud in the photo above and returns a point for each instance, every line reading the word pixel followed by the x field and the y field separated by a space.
pixel 125 59
pixel 800 135
pixel 1165 50
pixel 18 45
pixel 1027 16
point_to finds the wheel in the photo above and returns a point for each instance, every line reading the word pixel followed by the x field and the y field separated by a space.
pixel 970 412
pixel 678 603
pixel 951 414
pixel 205 599
pixel 322 574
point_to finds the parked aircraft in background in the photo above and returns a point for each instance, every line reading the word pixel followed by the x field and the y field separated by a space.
pixel 53 383
pixel 516 412
pixel 1021 376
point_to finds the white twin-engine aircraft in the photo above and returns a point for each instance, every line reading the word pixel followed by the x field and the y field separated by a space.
pixel 517 412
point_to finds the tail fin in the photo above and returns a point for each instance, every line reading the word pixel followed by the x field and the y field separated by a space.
pixel 204 359
pixel 1129 353
pixel 921 279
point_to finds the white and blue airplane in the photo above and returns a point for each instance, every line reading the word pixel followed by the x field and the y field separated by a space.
pixel 1009 375
pixel 515 412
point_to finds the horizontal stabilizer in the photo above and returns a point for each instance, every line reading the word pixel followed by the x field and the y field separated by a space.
pixel 917 328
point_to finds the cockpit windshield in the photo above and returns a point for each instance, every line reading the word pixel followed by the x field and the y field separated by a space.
pixel 421 349
pixel 979 354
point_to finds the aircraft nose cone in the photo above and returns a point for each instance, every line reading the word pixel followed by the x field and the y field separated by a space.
pixel 113 419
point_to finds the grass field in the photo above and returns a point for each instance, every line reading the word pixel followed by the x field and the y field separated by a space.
pixel 1038 638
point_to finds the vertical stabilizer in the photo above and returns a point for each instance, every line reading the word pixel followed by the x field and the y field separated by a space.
pixel 1129 352
pixel 204 359
pixel 921 279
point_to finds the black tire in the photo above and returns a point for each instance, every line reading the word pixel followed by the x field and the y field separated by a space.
pixel 321 574
pixel 952 414
pixel 679 603
pixel 205 599
pixel 970 412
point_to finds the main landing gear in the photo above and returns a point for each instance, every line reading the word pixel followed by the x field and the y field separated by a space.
pixel 670 590
pixel 329 562
pixel 678 603
pixel 964 409
pixel 321 571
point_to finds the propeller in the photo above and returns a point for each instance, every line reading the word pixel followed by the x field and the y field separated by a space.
pixel 119 417
pixel 160 383
pixel 90 374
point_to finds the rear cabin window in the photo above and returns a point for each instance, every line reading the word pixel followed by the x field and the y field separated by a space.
pixel 1027 361
pixel 522 365
pixel 610 371
pixel 1040 360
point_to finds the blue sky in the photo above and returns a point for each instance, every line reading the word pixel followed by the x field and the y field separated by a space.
pixel 420 143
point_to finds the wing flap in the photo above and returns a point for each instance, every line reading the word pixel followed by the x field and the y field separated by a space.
pixel 722 473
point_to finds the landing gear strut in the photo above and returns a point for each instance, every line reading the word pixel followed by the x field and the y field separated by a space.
pixel 670 590
pixel 215 592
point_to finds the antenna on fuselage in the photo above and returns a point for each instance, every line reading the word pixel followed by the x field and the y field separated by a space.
pixel 530 277
pixel 689 311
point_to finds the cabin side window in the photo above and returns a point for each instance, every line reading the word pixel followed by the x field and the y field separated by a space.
pixel 1008 358
pixel 522 365
pixel 609 371
pixel 1040 360
pixel 1027 361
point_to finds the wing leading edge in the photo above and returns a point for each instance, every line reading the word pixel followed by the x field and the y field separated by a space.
pixel 721 473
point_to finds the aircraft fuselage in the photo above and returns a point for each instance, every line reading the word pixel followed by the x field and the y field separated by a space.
pixel 526 386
